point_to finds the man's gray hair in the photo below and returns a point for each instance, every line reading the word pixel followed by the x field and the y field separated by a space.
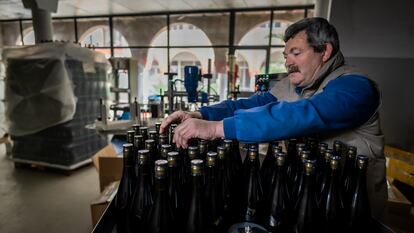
pixel 319 32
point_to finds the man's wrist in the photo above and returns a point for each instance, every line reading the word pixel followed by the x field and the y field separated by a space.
pixel 219 129
pixel 196 115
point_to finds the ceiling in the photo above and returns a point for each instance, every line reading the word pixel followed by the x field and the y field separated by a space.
pixel 13 9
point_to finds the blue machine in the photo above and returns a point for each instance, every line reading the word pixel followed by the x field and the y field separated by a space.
pixel 191 82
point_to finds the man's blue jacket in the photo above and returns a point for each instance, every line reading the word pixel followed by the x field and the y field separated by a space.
pixel 346 102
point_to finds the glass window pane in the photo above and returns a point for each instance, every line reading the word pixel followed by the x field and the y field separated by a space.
pixel 152 64
pixel 94 31
pixel 199 29
pixel 64 29
pixel 277 61
pixel 140 31
pixel 28 33
pixel 10 33
pixel 282 20
pixel 250 63
pixel 252 28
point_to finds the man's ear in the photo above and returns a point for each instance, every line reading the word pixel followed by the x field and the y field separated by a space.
pixel 327 53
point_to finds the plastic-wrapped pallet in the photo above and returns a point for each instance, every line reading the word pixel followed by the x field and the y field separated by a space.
pixel 52 92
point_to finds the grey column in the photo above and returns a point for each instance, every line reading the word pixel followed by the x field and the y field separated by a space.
pixel 42 25
pixel 323 8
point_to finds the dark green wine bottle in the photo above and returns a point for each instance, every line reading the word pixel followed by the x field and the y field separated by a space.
pixel 144 132
pixel 212 194
pixel 268 167
pixel 175 190
pixel 203 149
pixel 304 156
pixel 195 220
pixel 138 145
pixel 225 182
pixel 161 218
pixel 253 192
pixel 360 212
pixel 130 136
pixel 164 151
pixel 126 187
pixel 135 128
pixel 152 134
pixel 307 217
pixel 142 198
pixel 280 214
pixel 348 177
pixel 325 173
pixel 153 156
pixel 338 148
pixel 320 158
pixel 331 204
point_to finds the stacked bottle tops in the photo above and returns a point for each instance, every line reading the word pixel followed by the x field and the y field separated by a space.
pixel 309 187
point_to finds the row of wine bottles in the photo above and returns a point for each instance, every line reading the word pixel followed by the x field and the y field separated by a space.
pixel 208 187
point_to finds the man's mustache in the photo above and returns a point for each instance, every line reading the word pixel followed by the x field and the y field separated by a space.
pixel 292 69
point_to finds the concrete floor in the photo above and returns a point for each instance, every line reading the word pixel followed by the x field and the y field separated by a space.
pixel 42 201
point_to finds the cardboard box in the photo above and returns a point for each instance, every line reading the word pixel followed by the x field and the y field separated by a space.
pixel 110 169
pixel 400 165
pixel 99 205
pixel 397 202
pixel 108 150
pixel 109 165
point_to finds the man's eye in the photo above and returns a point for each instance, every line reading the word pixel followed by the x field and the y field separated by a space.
pixel 296 53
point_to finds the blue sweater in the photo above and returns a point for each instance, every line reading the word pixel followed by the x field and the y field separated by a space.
pixel 345 102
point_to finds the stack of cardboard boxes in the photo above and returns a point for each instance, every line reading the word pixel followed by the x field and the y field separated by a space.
pixel 109 166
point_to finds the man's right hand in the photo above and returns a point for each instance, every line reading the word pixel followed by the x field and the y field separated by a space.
pixel 178 117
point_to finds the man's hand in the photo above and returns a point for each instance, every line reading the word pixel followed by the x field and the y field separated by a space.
pixel 177 117
pixel 196 128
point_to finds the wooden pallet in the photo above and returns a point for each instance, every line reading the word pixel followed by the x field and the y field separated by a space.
pixel 44 166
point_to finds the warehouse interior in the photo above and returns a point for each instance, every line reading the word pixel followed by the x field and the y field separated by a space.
pixel 138 47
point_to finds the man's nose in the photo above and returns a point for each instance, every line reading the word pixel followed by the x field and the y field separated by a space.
pixel 288 62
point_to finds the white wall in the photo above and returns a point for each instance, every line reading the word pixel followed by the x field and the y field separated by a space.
pixel 378 37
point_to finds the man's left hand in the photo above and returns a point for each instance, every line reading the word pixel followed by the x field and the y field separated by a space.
pixel 197 128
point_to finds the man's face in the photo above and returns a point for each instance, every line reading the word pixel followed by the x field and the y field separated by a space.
pixel 302 62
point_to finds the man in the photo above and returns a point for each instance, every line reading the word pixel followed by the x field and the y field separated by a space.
pixel 321 96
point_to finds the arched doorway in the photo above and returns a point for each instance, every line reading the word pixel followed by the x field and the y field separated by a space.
pixel 181 34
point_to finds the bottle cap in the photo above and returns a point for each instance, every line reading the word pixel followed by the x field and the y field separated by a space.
pixel 304 155
pixel 252 153
pixel 211 158
pixel 280 159
pixel 163 139
pixel 328 155
pixel 172 158
pixel 362 161
pixel 309 166
pixel 202 144
pixel 196 167
pixel 143 156
pixel 193 152
pixel 149 144
pixel 352 150
pixel 221 152
pixel 130 136
pixel 334 163
pixel 135 128
pixel 127 151
pixel 165 148
pixel 160 169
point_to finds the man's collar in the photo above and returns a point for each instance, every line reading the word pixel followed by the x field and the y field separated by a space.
pixel 332 64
